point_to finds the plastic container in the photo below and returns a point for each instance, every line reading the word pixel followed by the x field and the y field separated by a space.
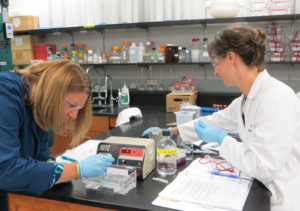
pixel 116 179
pixel 184 116
pixel 133 53
pixel 223 8
pixel 166 155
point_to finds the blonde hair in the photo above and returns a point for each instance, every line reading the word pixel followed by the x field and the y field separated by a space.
pixel 47 84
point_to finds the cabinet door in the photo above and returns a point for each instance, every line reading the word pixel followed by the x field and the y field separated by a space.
pixel 18 202
pixel 112 121
pixel 100 124
pixel 61 144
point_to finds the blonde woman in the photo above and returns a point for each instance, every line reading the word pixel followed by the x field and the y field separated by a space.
pixel 49 95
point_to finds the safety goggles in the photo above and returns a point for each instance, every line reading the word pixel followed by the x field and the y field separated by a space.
pixel 73 106
pixel 214 62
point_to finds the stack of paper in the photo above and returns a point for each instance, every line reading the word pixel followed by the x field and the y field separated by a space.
pixel 80 152
pixel 197 189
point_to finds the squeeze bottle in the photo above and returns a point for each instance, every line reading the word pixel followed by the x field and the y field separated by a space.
pixel 125 95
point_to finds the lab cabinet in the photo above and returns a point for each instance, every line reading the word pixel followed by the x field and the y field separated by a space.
pixel 100 124
pixel 17 202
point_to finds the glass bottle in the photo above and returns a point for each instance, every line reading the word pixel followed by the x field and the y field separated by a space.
pixel 115 55
pixel 124 52
pixel 141 50
pixel 90 56
pixel 166 154
pixel 161 55
pixel 195 51
pixel 154 58
pixel 148 52
pixel 80 58
pixel 204 51
pixel 74 57
pixel 64 51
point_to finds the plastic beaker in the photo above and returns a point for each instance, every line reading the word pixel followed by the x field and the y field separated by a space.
pixel 184 116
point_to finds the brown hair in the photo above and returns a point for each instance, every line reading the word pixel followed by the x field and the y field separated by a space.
pixel 248 42
pixel 47 84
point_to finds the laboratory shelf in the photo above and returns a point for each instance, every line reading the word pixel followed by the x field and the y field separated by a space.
pixel 145 64
pixel 101 27
pixel 168 64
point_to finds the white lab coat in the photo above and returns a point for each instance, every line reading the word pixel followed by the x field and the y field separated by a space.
pixel 270 147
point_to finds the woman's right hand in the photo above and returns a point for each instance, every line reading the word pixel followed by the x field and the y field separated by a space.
pixel 95 165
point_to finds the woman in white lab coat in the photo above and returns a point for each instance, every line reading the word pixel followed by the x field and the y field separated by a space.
pixel 266 116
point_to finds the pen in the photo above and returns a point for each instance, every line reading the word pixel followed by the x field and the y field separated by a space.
pixel 160 180
pixel 224 175
pixel 68 158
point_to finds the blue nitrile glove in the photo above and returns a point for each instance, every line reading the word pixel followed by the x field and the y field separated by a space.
pixel 94 165
pixel 147 131
pixel 209 133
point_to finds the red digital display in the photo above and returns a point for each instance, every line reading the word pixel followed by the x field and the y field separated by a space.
pixel 136 152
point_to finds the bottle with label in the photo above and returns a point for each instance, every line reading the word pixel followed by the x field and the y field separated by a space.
pixel 119 99
pixel 166 155
pixel 204 51
pixel 141 53
pixel 195 51
pixel 125 95
pixel 161 55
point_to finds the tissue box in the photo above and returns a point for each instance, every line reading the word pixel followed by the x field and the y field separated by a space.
pixel 174 99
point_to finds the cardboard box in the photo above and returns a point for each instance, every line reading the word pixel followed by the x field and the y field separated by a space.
pixel 22 57
pixel 174 99
pixel 21 23
pixel 25 42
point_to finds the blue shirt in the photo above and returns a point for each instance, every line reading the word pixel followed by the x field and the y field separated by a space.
pixel 23 144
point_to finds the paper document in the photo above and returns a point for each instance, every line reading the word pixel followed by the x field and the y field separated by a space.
pixel 80 152
pixel 198 187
